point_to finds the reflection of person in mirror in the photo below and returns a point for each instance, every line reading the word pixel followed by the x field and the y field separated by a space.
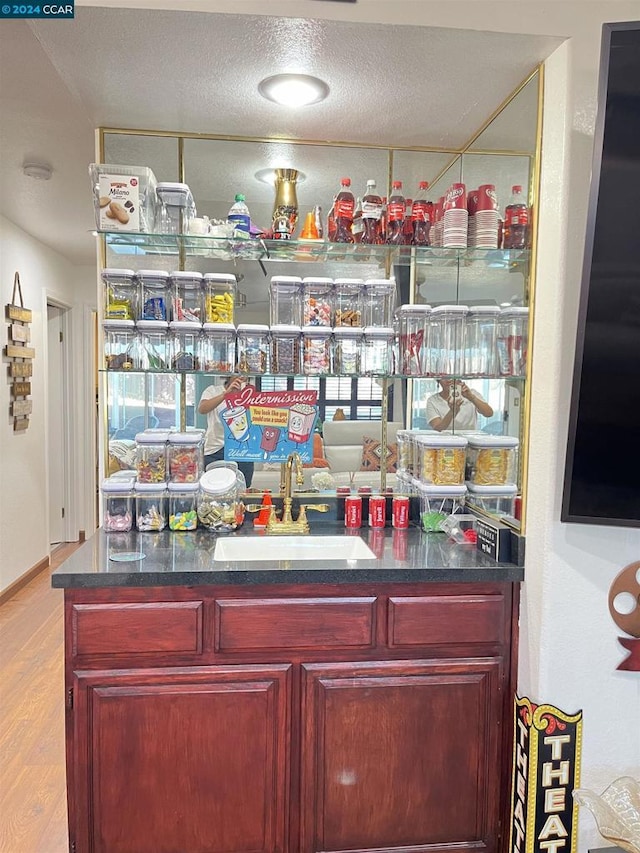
pixel 456 406
pixel 212 404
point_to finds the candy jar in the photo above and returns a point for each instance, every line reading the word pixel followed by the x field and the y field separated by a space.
pixel 219 297
pixel 183 513
pixel 316 350
pixel 151 506
pixel 317 301
pixel 151 457
pixel 219 505
pixel 117 506
pixel 120 294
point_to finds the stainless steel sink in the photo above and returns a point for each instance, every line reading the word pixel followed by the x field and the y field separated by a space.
pixel 252 549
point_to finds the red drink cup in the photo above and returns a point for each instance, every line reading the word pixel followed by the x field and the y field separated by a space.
pixel 377 510
pixel 400 512
pixel 487 198
pixel 353 511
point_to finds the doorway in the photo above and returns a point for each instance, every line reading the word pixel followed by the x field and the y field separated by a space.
pixel 58 423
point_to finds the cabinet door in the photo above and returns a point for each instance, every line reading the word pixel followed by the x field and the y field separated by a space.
pixel 401 756
pixel 181 760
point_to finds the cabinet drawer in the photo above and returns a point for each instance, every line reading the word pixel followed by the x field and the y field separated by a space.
pixel 169 626
pixel 446 619
pixel 294 623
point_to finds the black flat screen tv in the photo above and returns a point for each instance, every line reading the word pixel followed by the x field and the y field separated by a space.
pixel 602 474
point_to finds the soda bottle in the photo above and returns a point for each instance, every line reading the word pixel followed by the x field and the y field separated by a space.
pixel 343 209
pixel 395 215
pixel 383 221
pixel 238 215
pixel 516 221
pixel 331 223
pixel 372 215
pixel 407 232
pixel 357 227
pixel 421 214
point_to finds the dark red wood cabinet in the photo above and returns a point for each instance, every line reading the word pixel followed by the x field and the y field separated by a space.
pixel 289 719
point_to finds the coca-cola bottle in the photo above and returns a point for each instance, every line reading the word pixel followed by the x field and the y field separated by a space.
pixel 395 215
pixel 408 227
pixel 421 215
pixel 383 221
pixel 372 215
pixel 343 209
pixel 357 226
pixel 516 221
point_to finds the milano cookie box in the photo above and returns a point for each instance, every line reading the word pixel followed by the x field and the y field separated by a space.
pixel 124 197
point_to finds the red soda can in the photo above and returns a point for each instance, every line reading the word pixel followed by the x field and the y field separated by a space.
pixel 353 511
pixel 400 512
pixel 399 544
pixel 376 541
pixel 377 510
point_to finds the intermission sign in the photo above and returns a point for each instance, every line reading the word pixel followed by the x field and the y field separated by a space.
pixel 266 426
pixel 546 769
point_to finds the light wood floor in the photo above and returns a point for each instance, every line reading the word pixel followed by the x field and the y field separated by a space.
pixel 33 813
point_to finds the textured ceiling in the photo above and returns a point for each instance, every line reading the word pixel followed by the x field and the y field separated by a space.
pixel 391 85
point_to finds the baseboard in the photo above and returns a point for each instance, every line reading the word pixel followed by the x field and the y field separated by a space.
pixel 24 579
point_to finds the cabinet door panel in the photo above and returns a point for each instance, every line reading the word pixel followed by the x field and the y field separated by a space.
pixel 400 756
pixel 446 619
pixel 182 760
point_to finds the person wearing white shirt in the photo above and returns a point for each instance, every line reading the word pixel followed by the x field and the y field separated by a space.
pixel 456 407
pixel 211 404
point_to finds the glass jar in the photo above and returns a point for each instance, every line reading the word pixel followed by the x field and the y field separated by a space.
pixel 183 499
pixel 495 500
pixel 218 348
pixel 316 350
pixel 437 503
pixel 151 507
pixel 285 350
pixel 120 352
pixel 480 332
pixel 219 297
pixel 413 339
pixel 120 295
pixel 151 457
pixel 512 341
pixel 491 460
pixel 378 351
pixel 347 307
pixel 347 350
pixel 219 504
pixel 285 301
pixel 154 292
pixel 117 506
pixel 448 340
pixel 378 302
pixel 253 348
pixel 152 344
pixel 440 460
pixel 184 345
pixel 186 297
pixel 317 301
pixel 184 456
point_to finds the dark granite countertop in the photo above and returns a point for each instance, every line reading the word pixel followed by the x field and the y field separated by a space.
pixel 187 559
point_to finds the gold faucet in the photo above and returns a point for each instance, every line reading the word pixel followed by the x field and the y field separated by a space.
pixel 287 525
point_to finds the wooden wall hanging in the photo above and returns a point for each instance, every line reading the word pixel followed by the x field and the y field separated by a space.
pixel 20 356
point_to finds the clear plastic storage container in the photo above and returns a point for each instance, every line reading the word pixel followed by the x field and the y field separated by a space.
pixel 491 459
pixel 218 348
pixel 447 342
pixel 124 197
pixel 316 350
pixel 151 506
pixel 378 302
pixel 152 344
pixel 285 349
pixel 120 351
pixel 253 348
pixel 413 339
pixel 347 296
pixel 219 500
pixel 404 464
pixel 378 351
pixel 184 344
pixel 120 294
pixel 151 456
pixel 186 297
pixel 481 327
pixel 285 301
pixel 184 455
pixel 437 503
pixel 219 297
pixel 154 293
pixel 117 506
pixel 440 459
pixel 317 301
pixel 183 502
pixel 495 500
pixel 176 207
pixel 512 341
pixel 347 350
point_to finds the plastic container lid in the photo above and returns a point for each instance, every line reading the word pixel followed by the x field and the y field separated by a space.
pixel 253 328
pixel 349 282
pixel 451 309
pixel 317 331
pixel 492 441
pixel 508 490
pixel 286 331
pixel 185 437
pixel 183 487
pixel 151 488
pixel 153 275
pixel 185 275
pixel 220 276
pixel 433 491
pixel 492 310
pixel 378 332
pixel 308 280
pixel 348 331
pixel 152 437
pixel 219 327
pixel 514 312
pixel 123 475
pixel 385 283
pixel 117 487
pixel 152 325
pixel 172 186
pixel 185 325
pixel 414 309
pixel 218 480
pixel 290 281
pixel 113 325
pixel 439 440
pixel 123 276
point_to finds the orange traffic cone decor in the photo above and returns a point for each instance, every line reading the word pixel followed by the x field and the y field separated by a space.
pixel 263 516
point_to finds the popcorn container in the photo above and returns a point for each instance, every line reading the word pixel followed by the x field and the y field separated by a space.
pixel 491 460
pixel 440 459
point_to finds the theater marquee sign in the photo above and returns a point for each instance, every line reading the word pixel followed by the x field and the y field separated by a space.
pixel 546 769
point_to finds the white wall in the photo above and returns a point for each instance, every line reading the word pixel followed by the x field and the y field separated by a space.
pixel 24 537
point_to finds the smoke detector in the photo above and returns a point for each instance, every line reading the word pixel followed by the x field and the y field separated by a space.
pixel 38 171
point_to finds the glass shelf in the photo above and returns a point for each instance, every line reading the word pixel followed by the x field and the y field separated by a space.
pixel 392 376
pixel 306 251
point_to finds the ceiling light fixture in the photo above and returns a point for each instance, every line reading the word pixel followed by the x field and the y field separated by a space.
pixel 293 90
pixel 268 176
pixel 38 171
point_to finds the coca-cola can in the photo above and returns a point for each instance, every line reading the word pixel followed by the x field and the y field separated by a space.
pixel 376 540
pixel 400 512
pixel 399 544
pixel 353 511
pixel 377 510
